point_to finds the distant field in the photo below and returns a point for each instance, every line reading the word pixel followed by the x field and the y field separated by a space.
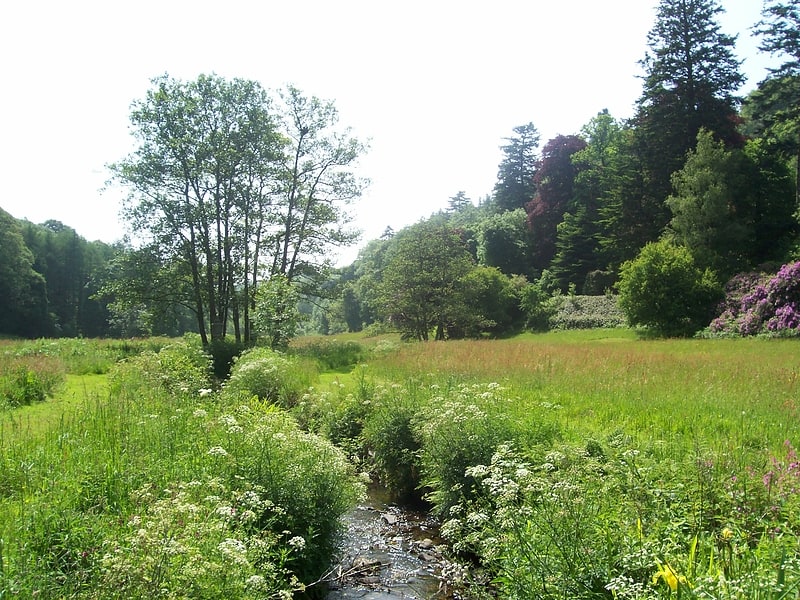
pixel 728 392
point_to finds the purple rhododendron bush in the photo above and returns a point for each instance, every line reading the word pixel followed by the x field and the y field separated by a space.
pixel 761 304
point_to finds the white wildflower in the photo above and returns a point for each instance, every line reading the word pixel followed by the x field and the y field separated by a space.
pixel 297 542
pixel 255 582
pixel 234 550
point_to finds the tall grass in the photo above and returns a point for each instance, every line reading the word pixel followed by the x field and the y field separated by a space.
pixel 158 486
pixel 729 392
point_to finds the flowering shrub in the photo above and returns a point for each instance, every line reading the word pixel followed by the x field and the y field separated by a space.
pixel 198 540
pixel 757 304
pixel 460 429
pixel 170 490
pixel 179 368
pixel 573 522
pixel 305 475
pixel 271 376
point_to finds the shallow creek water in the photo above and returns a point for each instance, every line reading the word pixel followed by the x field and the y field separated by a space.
pixel 388 552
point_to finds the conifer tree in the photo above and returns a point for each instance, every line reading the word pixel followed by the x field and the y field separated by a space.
pixel 691 77
pixel 515 186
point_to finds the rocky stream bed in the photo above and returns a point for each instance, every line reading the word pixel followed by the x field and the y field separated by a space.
pixel 389 552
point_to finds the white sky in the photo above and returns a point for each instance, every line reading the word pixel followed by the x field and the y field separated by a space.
pixel 435 85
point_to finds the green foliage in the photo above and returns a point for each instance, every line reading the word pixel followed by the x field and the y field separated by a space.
pixel 332 354
pixel 23 292
pixel 391 440
pixel 420 289
pixel 223 353
pixel 276 316
pixel 587 312
pixel 493 300
pixel 181 368
pixel 604 465
pixel 539 302
pixel 504 242
pixel 28 379
pixel 462 427
pixel 663 290
pixel 271 376
pixel 219 180
pixel 584 521
pixel 691 76
pixel 515 186
pixel 308 478
pixel 73 270
pixel 779 33
pixel 725 207
pixel 555 195
pixel 156 492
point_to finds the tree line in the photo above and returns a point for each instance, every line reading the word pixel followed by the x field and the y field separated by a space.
pixel 237 192
pixel 696 167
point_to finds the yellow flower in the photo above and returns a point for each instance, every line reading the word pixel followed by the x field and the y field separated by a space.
pixel 726 534
pixel 669 575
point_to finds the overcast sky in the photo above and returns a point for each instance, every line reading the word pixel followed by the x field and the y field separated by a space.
pixel 434 85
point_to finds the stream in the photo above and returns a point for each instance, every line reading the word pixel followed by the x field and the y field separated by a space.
pixel 388 552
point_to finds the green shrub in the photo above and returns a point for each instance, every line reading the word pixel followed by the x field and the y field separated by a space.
pixel 333 355
pixel 271 376
pixel 198 540
pixel 539 306
pixel 178 368
pixel 663 290
pixel 28 379
pixel 223 354
pixel 587 312
pixel 461 429
pixel 161 492
pixel 392 442
pixel 306 476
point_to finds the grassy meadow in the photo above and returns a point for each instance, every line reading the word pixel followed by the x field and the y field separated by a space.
pixel 574 464
pixel 590 464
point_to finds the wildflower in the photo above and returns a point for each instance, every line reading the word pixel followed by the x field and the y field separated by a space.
pixel 234 550
pixel 726 534
pixel 204 392
pixel 256 582
pixel 669 575
pixel 199 413
pixel 217 451
pixel 297 542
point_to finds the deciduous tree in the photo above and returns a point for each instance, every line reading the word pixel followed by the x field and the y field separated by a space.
pixel 555 186
pixel 420 290
pixel 23 292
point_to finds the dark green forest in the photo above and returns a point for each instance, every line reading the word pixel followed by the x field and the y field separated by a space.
pixel 236 193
